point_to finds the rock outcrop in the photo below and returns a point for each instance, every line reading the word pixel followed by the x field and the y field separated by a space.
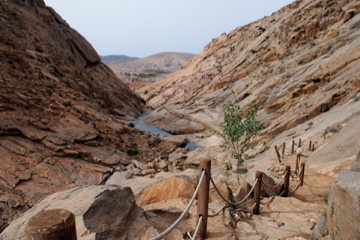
pixel 343 211
pixel 299 65
pixel 98 214
pixel 64 114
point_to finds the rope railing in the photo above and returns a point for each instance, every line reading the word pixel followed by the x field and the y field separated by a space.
pixel 297 174
pixel 281 155
pixel 276 185
pixel 197 228
pixel 268 201
pixel 236 203
pixel 296 187
pixel 202 191
pixel 219 211
pixel 167 231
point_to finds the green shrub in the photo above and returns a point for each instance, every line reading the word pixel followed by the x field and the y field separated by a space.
pixel 238 129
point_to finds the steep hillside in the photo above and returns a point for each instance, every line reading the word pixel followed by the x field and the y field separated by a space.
pixel 301 66
pixel 297 64
pixel 63 113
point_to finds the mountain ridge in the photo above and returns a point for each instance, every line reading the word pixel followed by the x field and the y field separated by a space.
pixel 142 71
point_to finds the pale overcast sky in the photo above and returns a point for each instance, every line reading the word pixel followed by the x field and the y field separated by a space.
pixel 140 28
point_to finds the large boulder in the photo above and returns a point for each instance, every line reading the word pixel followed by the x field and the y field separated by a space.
pixel 163 186
pixel 101 212
pixel 343 214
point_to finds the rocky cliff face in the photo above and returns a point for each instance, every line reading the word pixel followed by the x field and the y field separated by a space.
pixel 296 64
pixel 301 67
pixel 63 112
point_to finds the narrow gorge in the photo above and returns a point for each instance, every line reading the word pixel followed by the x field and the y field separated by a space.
pixel 70 138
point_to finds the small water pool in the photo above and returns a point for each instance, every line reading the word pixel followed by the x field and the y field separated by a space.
pixel 144 127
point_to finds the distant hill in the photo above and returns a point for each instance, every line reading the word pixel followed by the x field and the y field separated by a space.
pixel 116 59
pixel 138 72
pixel 167 62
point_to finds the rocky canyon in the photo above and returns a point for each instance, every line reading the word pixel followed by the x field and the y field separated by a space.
pixel 67 136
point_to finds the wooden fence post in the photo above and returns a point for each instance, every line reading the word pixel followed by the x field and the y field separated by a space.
pixel 292 147
pixel 54 224
pixel 277 153
pixel 286 181
pixel 302 174
pixel 297 163
pixel 310 145
pixel 257 192
pixel 203 198
pixel 299 145
pixel 283 149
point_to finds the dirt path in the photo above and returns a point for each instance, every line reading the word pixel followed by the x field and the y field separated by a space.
pixel 315 189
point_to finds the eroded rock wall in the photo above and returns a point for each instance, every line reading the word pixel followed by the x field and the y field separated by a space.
pixel 64 115
pixel 296 64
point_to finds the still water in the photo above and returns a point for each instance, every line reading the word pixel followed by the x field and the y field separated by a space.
pixel 141 126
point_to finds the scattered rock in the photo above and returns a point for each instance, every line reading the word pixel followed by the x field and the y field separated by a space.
pixel 162 164
pixel 178 140
pixel 118 178
pixel 133 170
pixel 98 213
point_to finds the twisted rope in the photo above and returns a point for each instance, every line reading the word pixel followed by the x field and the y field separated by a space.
pixel 276 185
pixel 296 187
pixel 237 203
pixel 298 174
pixel 217 213
pixel 167 231
pixel 268 201
pixel 282 192
pixel 197 227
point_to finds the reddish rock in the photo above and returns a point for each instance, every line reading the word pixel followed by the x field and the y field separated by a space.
pixel 57 103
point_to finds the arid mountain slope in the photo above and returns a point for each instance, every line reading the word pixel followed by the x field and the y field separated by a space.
pixel 62 111
pixel 296 64
pixel 140 72
pixel 161 62
pixel 116 59
pixel 301 66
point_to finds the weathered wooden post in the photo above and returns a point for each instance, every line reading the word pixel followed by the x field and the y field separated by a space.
pixel 54 224
pixel 277 153
pixel 203 198
pixel 257 192
pixel 292 147
pixel 299 145
pixel 283 149
pixel 313 147
pixel 297 163
pixel 302 174
pixel 310 146
pixel 286 181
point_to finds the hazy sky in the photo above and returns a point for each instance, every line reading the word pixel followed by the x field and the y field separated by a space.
pixel 140 28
